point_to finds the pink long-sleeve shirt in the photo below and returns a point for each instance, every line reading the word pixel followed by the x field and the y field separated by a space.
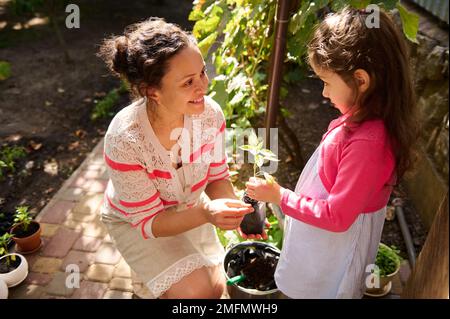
pixel 356 168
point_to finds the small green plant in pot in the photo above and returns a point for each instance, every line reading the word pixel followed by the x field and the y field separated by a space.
pixel 387 264
pixel 13 267
pixel 253 223
pixel 27 232
pixel 9 262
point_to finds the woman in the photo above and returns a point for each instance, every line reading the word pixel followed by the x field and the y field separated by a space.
pixel 164 152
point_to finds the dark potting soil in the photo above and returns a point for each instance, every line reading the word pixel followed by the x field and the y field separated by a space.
pixel 253 223
pixel 259 274
pixel 257 265
pixel 21 233
pixel 5 268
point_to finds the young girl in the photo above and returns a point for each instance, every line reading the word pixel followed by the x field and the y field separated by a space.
pixel 335 217
pixel 159 155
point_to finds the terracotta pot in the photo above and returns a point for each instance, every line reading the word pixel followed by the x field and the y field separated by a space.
pixel 16 276
pixel 27 244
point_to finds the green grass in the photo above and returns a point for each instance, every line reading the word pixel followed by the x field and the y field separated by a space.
pixel 5 70
pixel 8 157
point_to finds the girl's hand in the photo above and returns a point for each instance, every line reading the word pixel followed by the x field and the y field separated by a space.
pixel 225 213
pixel 260 190
pixel 262 236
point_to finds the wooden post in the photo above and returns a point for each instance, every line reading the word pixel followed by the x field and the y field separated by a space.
pixel 277 61
pixel 429 277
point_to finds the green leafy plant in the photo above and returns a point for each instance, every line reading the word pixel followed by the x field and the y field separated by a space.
pixel 274 233
pixel 5 70
pixel 5 239
pixel 228 237
pixel 388 259
pixel 260 154
pixel 23 217
pixel 242 34
pixel 244 27
pixel 8 157
pixel 103 108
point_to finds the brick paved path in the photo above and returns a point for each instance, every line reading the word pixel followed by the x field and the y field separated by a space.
pixel 73 234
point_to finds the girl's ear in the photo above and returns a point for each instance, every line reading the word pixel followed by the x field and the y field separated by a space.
pixel 362 79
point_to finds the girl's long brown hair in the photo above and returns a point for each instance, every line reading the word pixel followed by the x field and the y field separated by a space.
pixel 343 43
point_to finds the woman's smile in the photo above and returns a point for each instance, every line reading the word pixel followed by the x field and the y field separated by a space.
pixel 198 101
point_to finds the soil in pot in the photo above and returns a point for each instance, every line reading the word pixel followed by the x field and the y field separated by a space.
pixel 256 264
pixel 19 232
pixel 253 223
pixel 13 264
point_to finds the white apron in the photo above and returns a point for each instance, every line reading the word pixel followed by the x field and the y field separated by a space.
pixel 317 263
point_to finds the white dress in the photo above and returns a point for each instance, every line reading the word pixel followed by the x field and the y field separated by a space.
pixel 135 158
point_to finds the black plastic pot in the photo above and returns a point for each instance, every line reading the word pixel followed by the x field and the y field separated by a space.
pixel 253 223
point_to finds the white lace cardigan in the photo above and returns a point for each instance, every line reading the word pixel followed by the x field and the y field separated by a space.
pixel 143 181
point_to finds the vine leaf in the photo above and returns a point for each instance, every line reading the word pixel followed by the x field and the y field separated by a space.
pixel 206 43
pixel 410 23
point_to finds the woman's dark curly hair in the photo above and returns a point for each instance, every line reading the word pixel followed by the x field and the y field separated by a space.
pixel 140 56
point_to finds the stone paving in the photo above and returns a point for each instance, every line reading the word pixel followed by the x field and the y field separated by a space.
pixel 74 236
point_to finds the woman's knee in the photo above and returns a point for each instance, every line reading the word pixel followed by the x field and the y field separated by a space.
pixel 200 284
pixel 219 279
pixel 191 292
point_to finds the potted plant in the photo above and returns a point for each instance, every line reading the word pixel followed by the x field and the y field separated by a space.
pixel 253 223
pixel 249 268
pixel 27 232
pixel 13 267
pixel 3 290
pixel 387 264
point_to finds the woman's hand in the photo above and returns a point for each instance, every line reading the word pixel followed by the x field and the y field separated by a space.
pixel 226 213
pixel 260 190
pixel 262 236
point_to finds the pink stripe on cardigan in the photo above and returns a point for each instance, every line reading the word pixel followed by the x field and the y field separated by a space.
pixel 141 203
pixel 135 167
pixel 158 173
pixel 144 221
pixel 169 203
pixel 218 164
pixel 223 171
pixel 121 166
pixel 128 214
pixel 208 179
pixel 207 147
